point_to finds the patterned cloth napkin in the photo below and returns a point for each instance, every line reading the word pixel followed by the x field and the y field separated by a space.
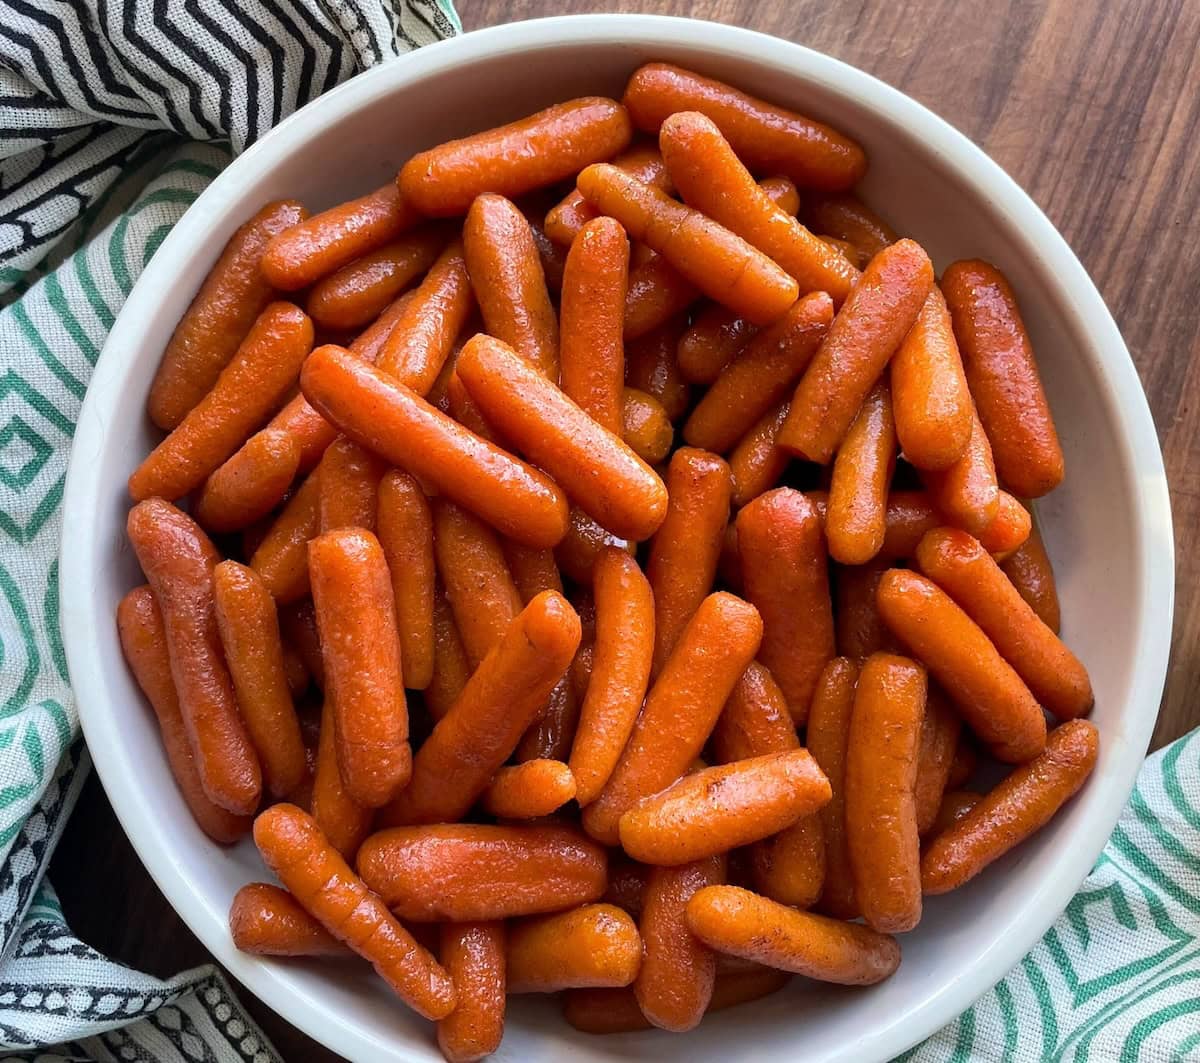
pixel 111 123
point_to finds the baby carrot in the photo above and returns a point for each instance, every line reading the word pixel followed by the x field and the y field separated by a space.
pixel 656 293
pixel 267 921
pixel 468 871
pixel 721 264
pixel 785 575
pixel 990 696
pixel 712 179
pixel 860 630
pixel 500 700
pixel 1019 806
pixel 144 644
pixel 582 545
pixel 298 623
pixel 350 477
pixel 846 217
pixel 588 947
pixel 856 517
pixel 295 849
pixel 738 922
pixel 317 246
pixel 681 709
pixel 933 405
pixel 966 492
pixel 682 565
pixel 881 815
pixel 1029 569
pixel 711 342
pixel 868 329
pixel 529 790
pixel 757 462
pixel 400 426
pixel 342 819
pixel 936 746
pixel 178 560
pixel 675 983
pixel 645 426
pixel 650 366
pixel 568 217
pixel 910 514
pixel 534 152
pixel 281 559
pixel 966 760
pixel 249 484
pixel 212 328
pixel 761 375
pixel 770 139
pixel 451 669
pixel 474 957
pixel 1010 528
pixel 249 630
pixel 968 573
pixel 955 804
pixel 405 530
pixel 620 671
pixel 604 477
pixel 510 286
pixel 1004 378
pixel 828 736
pixel 248 389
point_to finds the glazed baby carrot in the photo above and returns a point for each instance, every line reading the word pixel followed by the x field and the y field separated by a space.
pixel 721 264
pixel 622 656
pixel 785 576
pixel 1020 805
pixel 847 217
pixel 405 530
pixel 645 426
pixel 423 336
pixel 368 343
pixel 741 923
pixel 249 388
pixel 350 477
pixel 650 366
pixel 967 493
pixel 846 249
pixel 479 587
pixel 208 335
pixel 465 410
pixel 881 815
pixel 856 516
pixel 268 921
pixel 682 565
pixel 1010 528
pixel 317 246
pixel 400 426
pixel 247 486
pixel 359 292
pixel 938 742
pixel 757 463
pixel 469 871
pixel 910 514
pixel 294 848
pixel 828 736
pixel 281 559
pixel 656 292
pixel 675 984
pixel 588 947
pixel 711 342
pixel 298 623
pixel 342 819
pixel 722 808
pixel 592 355
pixel 955 804
pixel 474 957
pixel 567 218
pixel 602 475
pixel 249 630
pixel 534 152
pixel 144 644
pixel 1004 377
pixel 451 669
pixel 865 334
pixel 526 791
pixel 681 709
pixel 770 139
pixel 859 629
pixel 356 616
pixel 585 539
pixel 1029 569
pixel 969 574
pixel 532 571
pixel 759 376
pixel 966 760
pixel 482 728
pixel 712 179
pixel 552 732
pixel 178 560
pixel 510 286
pixel 990 696
pixel 933 405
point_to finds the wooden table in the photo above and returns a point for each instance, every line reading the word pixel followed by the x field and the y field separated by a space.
pixel 1093 107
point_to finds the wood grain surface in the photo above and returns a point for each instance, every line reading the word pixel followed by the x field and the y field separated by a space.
pixel 1094 108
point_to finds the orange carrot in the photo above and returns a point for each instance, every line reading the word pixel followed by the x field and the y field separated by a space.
pixel 757 462
pixel 249 484
pixel 565 220
pixel 1030 571
pixel 711 342
pixel 967 493
pixel 473 955
pixel 405 530
pixel 350 479
pixel 529 790
pixel 650 366
pixel 645 426
pixel 451 669
pixel 847 217
pixel 342 819
pixel 582 545
pixel 281 559
pixel 656 293
pixel 267 921
pixel 859 627
pixel 955 804
pixel 591 946
pixel 1010 528
pixel 938 742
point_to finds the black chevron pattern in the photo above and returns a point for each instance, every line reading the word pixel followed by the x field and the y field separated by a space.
pixel 84 82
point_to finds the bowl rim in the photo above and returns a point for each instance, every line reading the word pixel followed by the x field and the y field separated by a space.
pixel 1138 442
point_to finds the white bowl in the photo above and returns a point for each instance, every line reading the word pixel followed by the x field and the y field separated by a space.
pixel 1108 527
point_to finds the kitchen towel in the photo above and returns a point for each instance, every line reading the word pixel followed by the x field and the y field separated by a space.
pixel 113 118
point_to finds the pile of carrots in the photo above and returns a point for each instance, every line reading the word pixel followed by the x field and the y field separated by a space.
pixel 518 696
